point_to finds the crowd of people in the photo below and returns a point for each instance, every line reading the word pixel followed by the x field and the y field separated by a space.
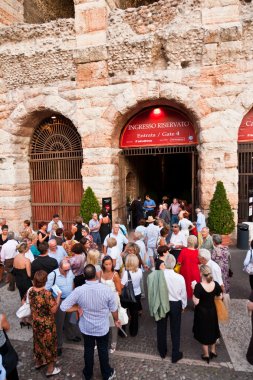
pixel 76 281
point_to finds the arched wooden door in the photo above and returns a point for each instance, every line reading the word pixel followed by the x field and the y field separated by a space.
pixel 55 170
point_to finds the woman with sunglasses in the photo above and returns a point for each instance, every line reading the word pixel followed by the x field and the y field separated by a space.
pixel 111 278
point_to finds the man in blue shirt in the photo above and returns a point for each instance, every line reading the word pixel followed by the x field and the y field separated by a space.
pixel 63 277
pixel 97 301
pixel 55 251
pixel 149 206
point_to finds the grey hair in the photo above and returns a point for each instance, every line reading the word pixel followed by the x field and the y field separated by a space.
pixel 169 261
pixel 205 254
pixel 205 228
pixel 138 235
pixel 217 239
pixel 11 235
pixel 62 262
pixel 192 241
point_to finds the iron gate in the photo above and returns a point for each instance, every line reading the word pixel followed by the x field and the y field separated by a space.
pixel 245 167
pixel 56 158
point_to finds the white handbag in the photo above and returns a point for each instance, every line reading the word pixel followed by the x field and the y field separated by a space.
pixel 25 309
pixel 123 317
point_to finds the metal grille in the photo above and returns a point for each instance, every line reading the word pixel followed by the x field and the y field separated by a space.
pixel 245 166
pixel 158 150
pixel 55 169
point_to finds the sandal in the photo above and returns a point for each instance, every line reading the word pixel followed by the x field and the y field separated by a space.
pixel 40 366
pixel 55 372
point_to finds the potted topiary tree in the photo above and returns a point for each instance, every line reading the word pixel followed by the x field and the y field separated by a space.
pixel 89 205
pixel 221 217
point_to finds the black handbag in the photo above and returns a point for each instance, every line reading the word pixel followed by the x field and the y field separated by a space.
pixel 127 294
pixel 9 356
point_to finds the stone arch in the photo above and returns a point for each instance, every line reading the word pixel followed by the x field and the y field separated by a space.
pixel 17 131
pixel 134 99
pixel 40 11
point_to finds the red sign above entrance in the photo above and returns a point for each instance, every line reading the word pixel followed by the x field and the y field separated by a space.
pixel 160 126
pixel 246 128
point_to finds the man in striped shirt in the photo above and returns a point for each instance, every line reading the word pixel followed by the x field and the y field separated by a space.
pixel 96 301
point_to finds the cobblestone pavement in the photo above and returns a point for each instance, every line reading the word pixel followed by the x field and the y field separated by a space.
pixel 136 358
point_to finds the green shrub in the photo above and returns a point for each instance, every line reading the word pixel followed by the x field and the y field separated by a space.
pixel 89 205
pixel 221 217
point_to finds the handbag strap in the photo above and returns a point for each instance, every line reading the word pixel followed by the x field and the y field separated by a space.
pixel 27 295
pixel 129 278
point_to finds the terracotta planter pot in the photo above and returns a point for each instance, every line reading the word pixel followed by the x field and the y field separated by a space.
pixel 226 240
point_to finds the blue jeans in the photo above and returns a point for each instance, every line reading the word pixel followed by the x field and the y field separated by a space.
pixel 102 345
pixel 174 219
pixel 96 237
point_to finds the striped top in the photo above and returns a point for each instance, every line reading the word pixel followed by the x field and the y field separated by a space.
pixel 97 301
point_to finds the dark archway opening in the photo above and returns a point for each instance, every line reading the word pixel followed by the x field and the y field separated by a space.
pixel 40 11
pixel 124 4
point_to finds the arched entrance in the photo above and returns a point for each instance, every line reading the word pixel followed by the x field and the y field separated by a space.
pixel 159 145
pixel 55 170
pixel 245 168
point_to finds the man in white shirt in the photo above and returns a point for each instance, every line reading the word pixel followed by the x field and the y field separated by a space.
pixel 8 252
pixel 55 220
pixel 152 234
pixel 205 259
pixel 178 241
pixel 201 220
pixel 121 239
pixel 178 302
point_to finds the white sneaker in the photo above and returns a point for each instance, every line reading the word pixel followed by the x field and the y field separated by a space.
pixel 113 375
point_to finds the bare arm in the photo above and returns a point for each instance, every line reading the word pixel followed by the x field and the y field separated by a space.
pixel 250 305
pixel 58 300
pixel 28 267
pixel 195 300
pixel 4 322
pixel 117 283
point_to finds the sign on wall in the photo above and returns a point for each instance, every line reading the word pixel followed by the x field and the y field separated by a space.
pixel 246 128
pixel 158 126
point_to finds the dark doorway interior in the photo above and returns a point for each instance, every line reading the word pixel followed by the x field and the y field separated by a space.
pixel 164 174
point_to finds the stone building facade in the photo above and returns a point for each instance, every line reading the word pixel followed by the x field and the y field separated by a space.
pixel 98 64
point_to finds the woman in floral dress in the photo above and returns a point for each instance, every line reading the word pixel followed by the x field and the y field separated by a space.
pixel 43 309
pixel 222 257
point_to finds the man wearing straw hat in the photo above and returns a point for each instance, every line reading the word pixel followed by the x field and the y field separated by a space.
pixel 153 233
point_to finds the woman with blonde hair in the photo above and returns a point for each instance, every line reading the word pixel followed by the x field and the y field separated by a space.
pixel 132 267
pixel 22 269
pixel 205 325
pixel 92 258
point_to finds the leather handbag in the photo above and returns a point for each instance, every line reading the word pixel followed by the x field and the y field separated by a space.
pixel 221 309
pixel 127 294
pixel 25 309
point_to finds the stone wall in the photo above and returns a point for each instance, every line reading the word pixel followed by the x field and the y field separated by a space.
pixel 110 65
pixel 11 11
pixel 39 11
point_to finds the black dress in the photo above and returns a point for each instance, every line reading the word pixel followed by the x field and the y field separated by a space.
pixel 249 354
pixel 43 235
pixel 105 229
pixel 205 326
pixel 23 282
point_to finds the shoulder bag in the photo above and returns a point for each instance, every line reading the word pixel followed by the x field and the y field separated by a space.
pixel 249 268
pixel 25 309
pixel 127 294
pixel 9 355
pixel 222 312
